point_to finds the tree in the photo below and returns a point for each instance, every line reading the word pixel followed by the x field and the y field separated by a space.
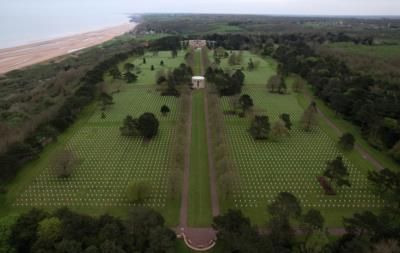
pixel 386 183
pixel 174 182
pixel 110 247
pixel 235 232
pixel 282 209
pixel 130 77
pixel 152 67
pixel 174 53
pixel 164 110
pixel 115 73
pixel 161 63
pixel 239 77
pixel 285 205
pixel 148 125
pixel 298 85
pixel 232 59
pixel 282 234
pixel 92 249
pixel 395 151
pixel 24 231
pixel 106 100
pixel 49 229
pixel 286 118
pixel 279 130
pixel 273 83
pixel 251 66
pixel 313 220
pixel 147 227
pixel 309 119
pixel 337 172
pixel 245 102
pixel 64 163
pixel 68 246
pixel 6 224
pixel 138 191
pixel 144 60
pixel 260 127
pixel 316 241
pixel 162 239
pixel 129 67
pixel 227 181
pixel 276 84
pixel 282 88
pixel 346 142
pixel 130 127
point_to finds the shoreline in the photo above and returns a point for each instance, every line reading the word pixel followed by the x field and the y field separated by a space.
pixel 25 55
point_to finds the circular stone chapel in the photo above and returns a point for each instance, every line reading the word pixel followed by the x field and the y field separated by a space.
pixel 198 82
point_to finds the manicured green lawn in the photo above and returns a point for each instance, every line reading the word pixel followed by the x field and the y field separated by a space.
pixel 292 164
pixel 199 213
pixel 146 76
pixel 197 61
pixel 108 161
pixel 256 78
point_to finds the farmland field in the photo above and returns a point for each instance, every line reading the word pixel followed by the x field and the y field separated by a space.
pixel 108 162
pixel 385 52
pixel 292 164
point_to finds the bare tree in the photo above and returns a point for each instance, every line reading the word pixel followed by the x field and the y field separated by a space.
pixel 298 85
pixel 279 130
pixel 309 118
pixel 227 184
pixel 64 163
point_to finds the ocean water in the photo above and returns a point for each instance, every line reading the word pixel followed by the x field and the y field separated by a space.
pixel 23 22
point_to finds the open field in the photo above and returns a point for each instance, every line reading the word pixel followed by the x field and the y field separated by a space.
pixel 380 61
pixel 22 56
pixel 266 168
pixel 384 52
pixel 107 160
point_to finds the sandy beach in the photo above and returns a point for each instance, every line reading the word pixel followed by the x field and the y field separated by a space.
pixel 22 56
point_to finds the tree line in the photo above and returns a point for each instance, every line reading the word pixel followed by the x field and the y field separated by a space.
pixel 369 103
pixel 364 232
pixel 20 152
pixel 65 231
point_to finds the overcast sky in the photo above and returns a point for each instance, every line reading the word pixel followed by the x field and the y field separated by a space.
pixel 292 7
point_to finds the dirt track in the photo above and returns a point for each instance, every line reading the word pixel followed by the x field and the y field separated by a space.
pixel 22 56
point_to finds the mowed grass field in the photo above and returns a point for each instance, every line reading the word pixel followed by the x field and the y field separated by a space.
pixel 292 164
pixel 199 210
pixel 109 161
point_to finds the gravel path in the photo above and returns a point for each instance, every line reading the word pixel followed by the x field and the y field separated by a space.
pixel 378 166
